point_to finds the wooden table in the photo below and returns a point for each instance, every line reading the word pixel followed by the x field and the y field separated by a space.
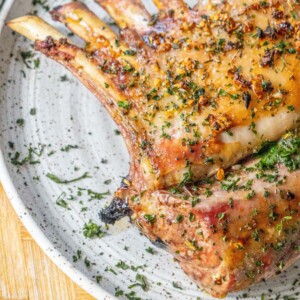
pixel 25 271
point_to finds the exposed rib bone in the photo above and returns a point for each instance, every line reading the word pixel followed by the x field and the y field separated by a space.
pixel 181 126
pixel 54 45
pixel 84 23
pixel 178 7
pixel 34 28
pixel 136 16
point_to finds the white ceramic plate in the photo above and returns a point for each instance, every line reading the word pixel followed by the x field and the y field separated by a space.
pixel 58 111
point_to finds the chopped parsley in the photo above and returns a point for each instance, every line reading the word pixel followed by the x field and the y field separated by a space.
pixel 150 218
pixel 141 282
pixel 150 250
pixel 31 158
pixel 91 230
pixel 32 111
pixel 61 200
pixel 68 148
pixel 98 196
pixel 124 104
pixel 279 226
pixel 20 122
pixel 76 257
pixel 65 181
pixel 286 152
pixel 122 265
pixel 129 52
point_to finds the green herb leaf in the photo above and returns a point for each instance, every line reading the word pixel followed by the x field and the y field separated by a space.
pixel 279 226
pixel 61 201
pixel 98 196
pixel 141 281
pixel 124 104
pixel 68 148
pixel 130 52
pixel 91 230
pixel 150 250
pixel 65 181
pixel 122 265
pixel 286 152
pixel 150 218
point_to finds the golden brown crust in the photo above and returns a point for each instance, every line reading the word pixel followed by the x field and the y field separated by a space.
pixel 194 92
pixel 174 8
pixel 84 23
pixel 136 16
pixel 203 91
pixel 226 240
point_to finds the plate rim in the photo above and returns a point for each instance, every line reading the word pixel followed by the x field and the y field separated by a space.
pixel 33 228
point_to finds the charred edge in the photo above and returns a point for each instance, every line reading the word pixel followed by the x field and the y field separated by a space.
pixel 50 48
pixel 117 210
pixel 47 44
pixel 159 243
pixel 241 80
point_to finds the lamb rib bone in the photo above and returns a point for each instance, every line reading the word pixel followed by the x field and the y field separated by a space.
pixel 191 95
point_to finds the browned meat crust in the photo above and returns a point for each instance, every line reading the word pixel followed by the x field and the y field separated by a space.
pixel 194 91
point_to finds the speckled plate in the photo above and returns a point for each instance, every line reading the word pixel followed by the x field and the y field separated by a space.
pixel 50 124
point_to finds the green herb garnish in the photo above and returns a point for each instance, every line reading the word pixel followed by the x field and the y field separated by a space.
pixel 91 230
pixel 141 281
pixel 65 181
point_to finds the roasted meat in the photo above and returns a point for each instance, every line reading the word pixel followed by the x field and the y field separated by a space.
pixel 195 91
pixel 231 233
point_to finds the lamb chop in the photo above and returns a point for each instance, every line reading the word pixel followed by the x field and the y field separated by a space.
pixel 232 233
pixel 194 91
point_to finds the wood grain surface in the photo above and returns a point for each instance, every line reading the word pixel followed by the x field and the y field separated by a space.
pixel 25 271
